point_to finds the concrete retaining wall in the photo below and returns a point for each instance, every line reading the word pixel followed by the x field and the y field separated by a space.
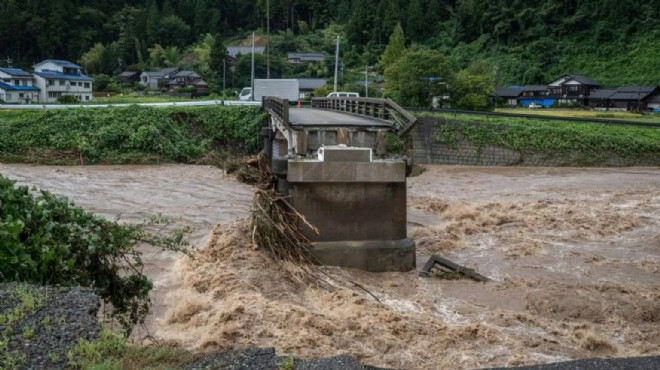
pixel 426 150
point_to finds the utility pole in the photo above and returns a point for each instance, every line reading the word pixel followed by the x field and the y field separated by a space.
pixel 224 67
pixel 366 81
pixel 268 38
pixel 336 63
pixel 8 60
pixel 252 74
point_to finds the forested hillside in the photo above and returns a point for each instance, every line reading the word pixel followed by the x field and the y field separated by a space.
pixel 614 41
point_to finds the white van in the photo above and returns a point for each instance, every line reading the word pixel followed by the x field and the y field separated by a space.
pixel 343 95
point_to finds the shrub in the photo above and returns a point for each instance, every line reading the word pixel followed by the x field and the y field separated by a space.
pixel 46 239
pixel 68 99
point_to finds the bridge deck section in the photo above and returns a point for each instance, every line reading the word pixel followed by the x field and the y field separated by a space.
pixel 310 117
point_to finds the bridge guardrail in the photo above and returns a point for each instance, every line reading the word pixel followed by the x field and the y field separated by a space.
pixel 384 109
pixel 277 107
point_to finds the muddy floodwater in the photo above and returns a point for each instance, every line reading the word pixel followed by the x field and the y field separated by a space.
pixel 573 254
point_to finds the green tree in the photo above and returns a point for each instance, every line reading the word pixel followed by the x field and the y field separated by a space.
pixel 410 80
pixel 473 87
pixel 395 48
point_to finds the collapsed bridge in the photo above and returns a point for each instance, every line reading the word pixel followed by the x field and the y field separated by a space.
pixel 332 161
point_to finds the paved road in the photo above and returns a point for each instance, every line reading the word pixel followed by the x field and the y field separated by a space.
pixel 308 117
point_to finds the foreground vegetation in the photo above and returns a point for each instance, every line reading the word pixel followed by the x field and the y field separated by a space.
pixel 134 134
pixel 46 239
pixel 583 143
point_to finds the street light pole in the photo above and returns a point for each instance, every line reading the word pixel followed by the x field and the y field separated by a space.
pixel 268 38
pixel 336 63
pixel 252 73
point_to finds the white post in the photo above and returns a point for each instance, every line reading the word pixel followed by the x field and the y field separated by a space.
pixel 336 63
pixel 252 74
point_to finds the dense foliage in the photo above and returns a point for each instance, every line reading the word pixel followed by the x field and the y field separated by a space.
pixel 46 239
pixel 613 41
pixel 128 135
pixel 582 143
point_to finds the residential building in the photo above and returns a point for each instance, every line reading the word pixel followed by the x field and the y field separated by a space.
pixel 537 94
pixel 17 86
pixel 129 77
pixel 632 98
pixel 508 95
pixel 571 89
pixel 56 78
pixel 653 104
pixel 154 80
pixel 306 86
pixel 188 79
pixel 298 58
pixel 600 99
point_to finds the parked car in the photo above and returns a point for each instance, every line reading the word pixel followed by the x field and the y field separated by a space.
pixel 535 106
pixel 343 95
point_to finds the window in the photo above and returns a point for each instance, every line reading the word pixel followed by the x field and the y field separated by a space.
pixel 573 88
pixel 54 95
pixel 20 95
pixel 87 85
pixel 80 84
pixel 7 80
pixel 51 82
pixel 25 83
pixel 17 82
pixel 61 82
pixel 8 96
pixel 87 97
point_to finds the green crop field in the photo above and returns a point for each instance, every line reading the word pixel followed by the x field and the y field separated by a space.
pixel 577 113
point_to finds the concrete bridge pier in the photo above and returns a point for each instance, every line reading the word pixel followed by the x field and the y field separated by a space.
pixel 359 207
pixel 331 162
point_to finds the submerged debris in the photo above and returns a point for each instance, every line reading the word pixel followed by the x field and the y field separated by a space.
pixel 450 270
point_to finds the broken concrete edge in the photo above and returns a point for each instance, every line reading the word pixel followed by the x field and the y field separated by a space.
pixel 321 172
pixel 367 255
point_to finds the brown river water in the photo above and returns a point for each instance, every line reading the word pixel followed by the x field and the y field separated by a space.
pixel 573 254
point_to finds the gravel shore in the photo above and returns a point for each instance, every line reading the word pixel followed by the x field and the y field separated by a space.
pixel 40 324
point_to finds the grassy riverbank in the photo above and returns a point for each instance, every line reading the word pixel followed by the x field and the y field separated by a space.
pixel 584 143
pixel 122 135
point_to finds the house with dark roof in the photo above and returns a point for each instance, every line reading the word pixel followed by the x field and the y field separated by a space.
pixel 298 58
pixel 653 104
pixel 508 95
pixel 188 79
pixel 129 77
pixel 56 78
pixel 308 85
pixel 536 94
pixel 600 99
pixel 154 80
pixel 571 89
pixel 632 98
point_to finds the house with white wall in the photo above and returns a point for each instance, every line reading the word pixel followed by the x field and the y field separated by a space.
pixel 153 80
pixel 17 86
pixel 56 78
